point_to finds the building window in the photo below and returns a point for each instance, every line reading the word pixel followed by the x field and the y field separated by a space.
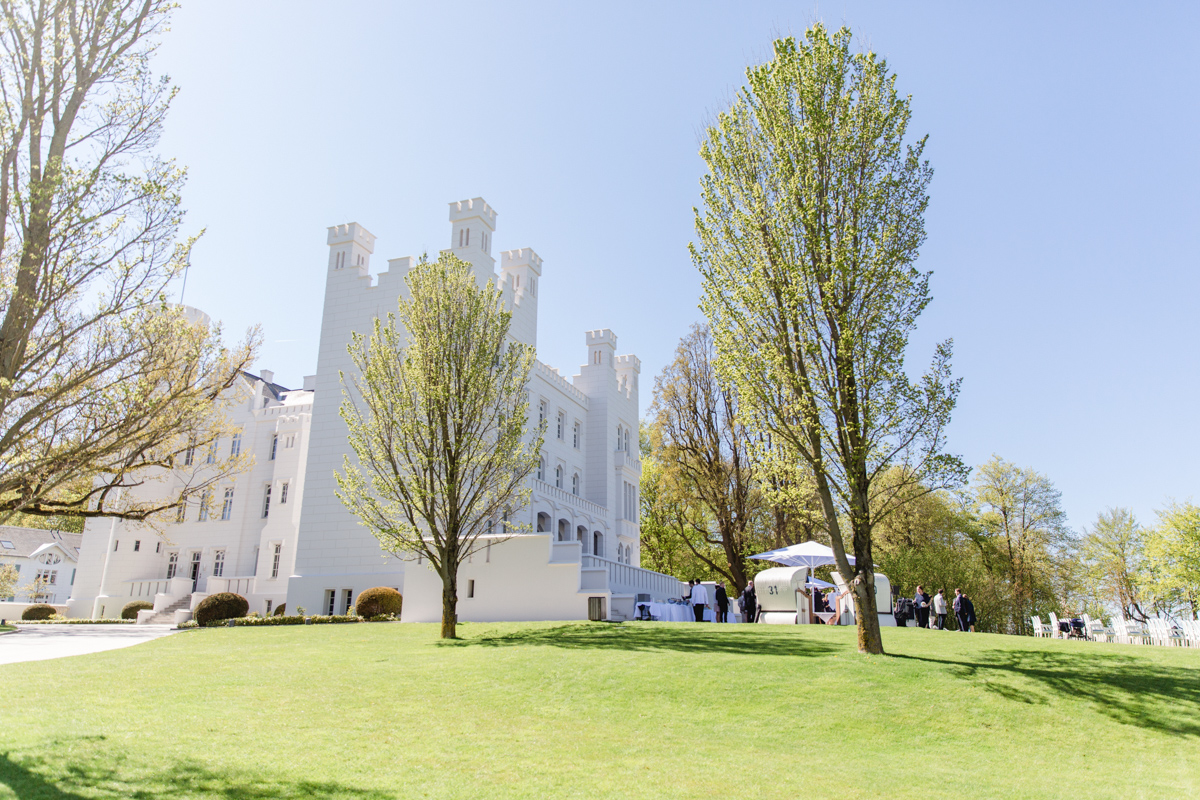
pixel 330 599
pixel 283 493
pixel 470 588
pixel 218 563
pixel 49 577
pixel 181 512
pixel 274 447
pixel 205 499
pixel 596 357
pixel 541 468
pixel 558 477
pixel 266 501
pixel 227 506
pixel 172 565
pixel 575 484
pixel 541 412
pixel 289 441
pixel 562 424
pixel 158 547
pixel 116 544
pixel 275 561
pixel 212 454
pixel 576 437
pixel 235 445
pixel 268 608
pixel 618 437
pixel 347 601
pixel 189 455
pixel 256 562
pixel 137 545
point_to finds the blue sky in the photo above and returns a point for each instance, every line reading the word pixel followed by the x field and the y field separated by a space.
pixel 1063 230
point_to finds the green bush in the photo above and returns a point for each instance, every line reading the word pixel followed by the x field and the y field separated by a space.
pixel 130 610
pixel 279 611
pixel 378 601
pixel 219 606
pixel 39 611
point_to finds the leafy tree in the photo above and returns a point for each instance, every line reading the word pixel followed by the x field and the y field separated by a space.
pixel 103 386
pixel 1173 556
pixel 8 580
pixel 437 419
pixel 1024 538
pixel 813 214
pixel 703 456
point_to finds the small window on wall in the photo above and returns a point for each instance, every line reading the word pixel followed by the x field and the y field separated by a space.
pixel 470 588
pixel 283 492
pixel 227 505
pixel 575 484
pixel 137 545
pixel 181 511
pixel 347 600
pixel 274 440
pixel 330 599
pixel 562 424
pixel 275 561
pixel 218 563
pixel 268 608
pixel 266 501
pixel 576 438
pixel 541 473
pixel 596 357
pixel 172 565
pixel 541 412
pixel 116 544
pixel 558 477
pixel 235 445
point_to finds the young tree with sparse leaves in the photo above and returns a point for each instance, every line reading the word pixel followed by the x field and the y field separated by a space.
pixel 8 580
pixel 812 216
pixel 103 385
pixel 437 417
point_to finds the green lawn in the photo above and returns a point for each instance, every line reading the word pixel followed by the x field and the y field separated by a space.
pixel 593 710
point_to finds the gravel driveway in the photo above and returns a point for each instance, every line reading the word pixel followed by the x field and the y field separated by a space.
pixel 41 642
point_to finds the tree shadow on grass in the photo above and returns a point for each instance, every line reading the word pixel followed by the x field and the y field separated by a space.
pixel 1128 690
pixel 756 640
pixel 28 779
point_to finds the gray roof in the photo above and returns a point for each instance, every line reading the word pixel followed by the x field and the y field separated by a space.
pixel 26 540
pixel 276 390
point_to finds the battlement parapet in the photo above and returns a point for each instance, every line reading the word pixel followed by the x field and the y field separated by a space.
pixel 553 377
pixel 521 257
pixel 602 336
pixel 628 363
pixel 351 232
pixel 475 207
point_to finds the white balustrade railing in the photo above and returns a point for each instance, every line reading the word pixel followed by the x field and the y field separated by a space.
pixel 628 579
pixel 148 588
pixel 550 490
pixel 242 585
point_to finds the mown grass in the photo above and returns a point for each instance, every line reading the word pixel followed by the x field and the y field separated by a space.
pixel 597 711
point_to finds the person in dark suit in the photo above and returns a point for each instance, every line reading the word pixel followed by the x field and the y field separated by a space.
pixel 921 607
pixel 722 603
pixel 970 612
pixel 960 611
pixel 750 603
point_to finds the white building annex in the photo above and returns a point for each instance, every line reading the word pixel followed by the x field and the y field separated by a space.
pixel 278 534
pixel 584 509
pixel 245 542
pixel 43 558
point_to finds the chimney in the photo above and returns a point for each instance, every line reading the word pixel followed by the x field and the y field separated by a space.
pixel 267 375
pixel 310 383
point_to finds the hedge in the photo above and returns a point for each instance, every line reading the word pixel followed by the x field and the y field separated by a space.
pixel 130 610
pixel 378 601
pixel 279 611
pixel 219 606
pixel 38 612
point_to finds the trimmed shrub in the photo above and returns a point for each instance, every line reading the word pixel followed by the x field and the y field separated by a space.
pixel 37 612
pixel 279 611
pixel 130 610
pixel 378 601
pixel 219 606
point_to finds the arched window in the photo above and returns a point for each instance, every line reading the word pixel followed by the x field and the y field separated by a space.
pixel 618 437
pixel 578 431
pixel 543 520
pixel 564 531
pixel 468 237
pixel 575 484
pixel 596 357
pixel 541 412
pixel 542 468
pixel 598 544
pixel 558 476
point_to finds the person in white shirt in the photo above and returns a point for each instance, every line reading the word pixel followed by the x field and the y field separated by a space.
pixel 939 608
pixel 699 600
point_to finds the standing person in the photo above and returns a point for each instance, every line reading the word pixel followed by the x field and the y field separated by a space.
pixel 960 610
pixel 699 600
pixel 939 608
pixel 921 606
pixel 722 603
pixel 749 602
pixel 688 596
pixel 970 612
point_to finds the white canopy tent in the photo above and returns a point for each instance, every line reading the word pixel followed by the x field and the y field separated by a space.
pixel 806 554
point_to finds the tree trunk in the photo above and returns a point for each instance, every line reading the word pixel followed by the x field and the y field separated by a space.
pixel 866 614
pixel 450 605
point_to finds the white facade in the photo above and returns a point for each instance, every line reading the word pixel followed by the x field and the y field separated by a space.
pixel 584 508
pixel 45 558
pixel 245 543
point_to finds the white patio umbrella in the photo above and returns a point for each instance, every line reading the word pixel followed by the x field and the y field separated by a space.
pixel 806 554
pixel 818 583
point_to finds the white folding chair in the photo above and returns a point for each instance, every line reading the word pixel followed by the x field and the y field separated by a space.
pixel 1055 633
pixel 1039 630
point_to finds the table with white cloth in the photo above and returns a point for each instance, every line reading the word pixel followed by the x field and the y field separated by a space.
pixel 675 612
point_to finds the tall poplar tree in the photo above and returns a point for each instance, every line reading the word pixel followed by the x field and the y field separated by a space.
pixel 437 420
pixel 812 217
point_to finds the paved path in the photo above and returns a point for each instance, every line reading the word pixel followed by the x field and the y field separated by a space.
pixel 41 642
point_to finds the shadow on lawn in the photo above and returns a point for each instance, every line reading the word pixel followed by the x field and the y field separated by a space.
pixel 750 640
pixel 75 781
pixel 1126 689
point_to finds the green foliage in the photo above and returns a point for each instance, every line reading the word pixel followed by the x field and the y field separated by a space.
pixel 279 611
pixel 130 611
pixel 1172 552
pixel 221 606
pixel 436 415
pixel 8 580
pixel 378 601
pixel 813 214
pixel 39 611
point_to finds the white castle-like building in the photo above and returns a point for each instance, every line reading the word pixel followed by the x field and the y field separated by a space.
pixel 279 534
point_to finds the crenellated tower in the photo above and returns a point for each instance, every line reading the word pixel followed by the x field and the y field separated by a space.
pixel 472 223
pixel 350 246
pixel 519 272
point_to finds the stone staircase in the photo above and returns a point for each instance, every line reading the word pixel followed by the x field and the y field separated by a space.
pixel 167 615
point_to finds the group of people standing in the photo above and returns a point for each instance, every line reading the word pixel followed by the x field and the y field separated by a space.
pixel 923 604
pixel 698 596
